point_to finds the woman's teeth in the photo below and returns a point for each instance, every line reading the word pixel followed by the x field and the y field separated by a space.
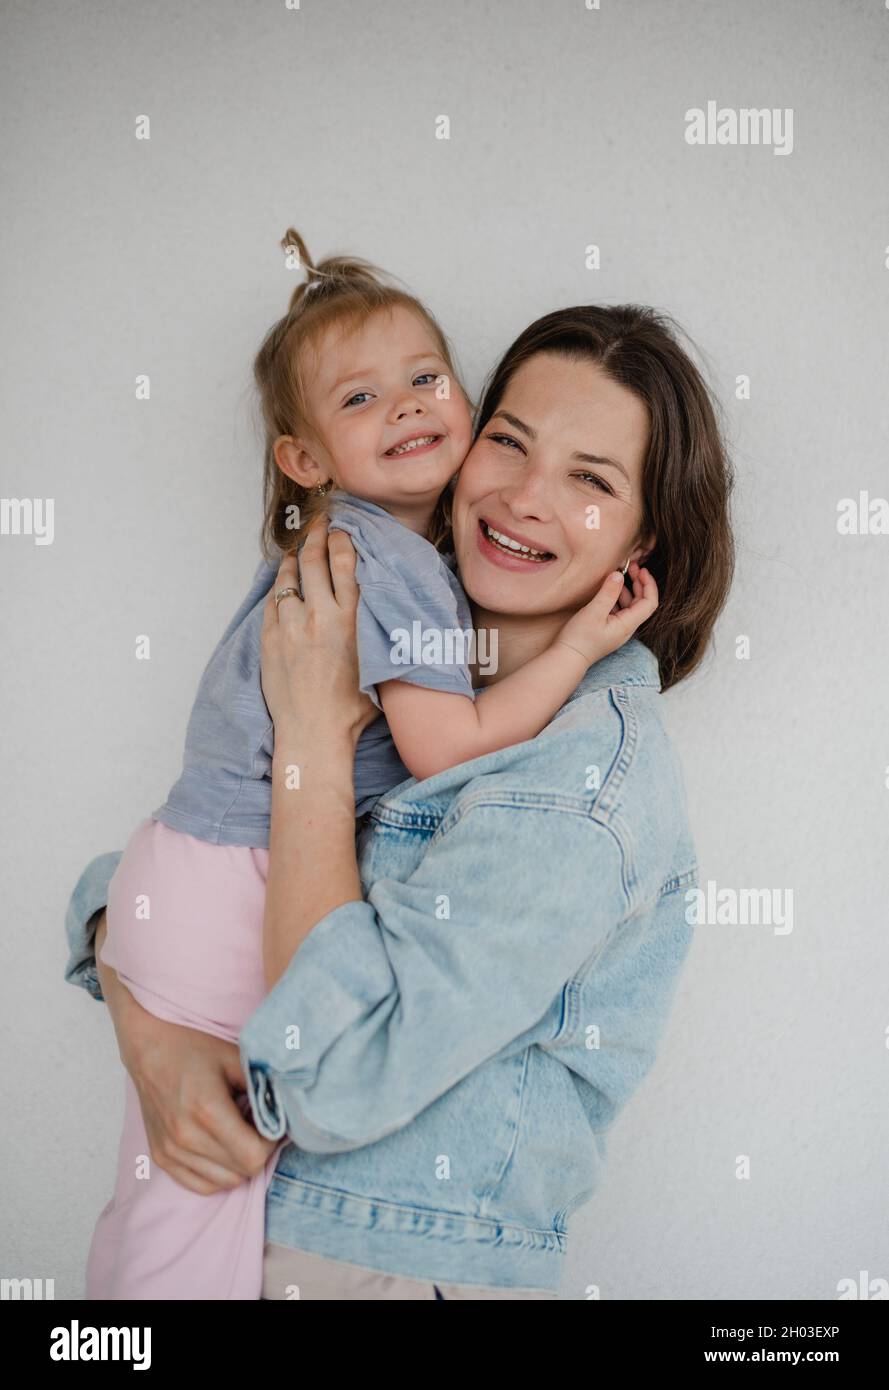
pixel 507 543
pixel 413 444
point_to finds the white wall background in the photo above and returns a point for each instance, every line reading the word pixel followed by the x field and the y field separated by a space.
pixel 567 128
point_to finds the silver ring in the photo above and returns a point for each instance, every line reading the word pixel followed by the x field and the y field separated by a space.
pixel 282 593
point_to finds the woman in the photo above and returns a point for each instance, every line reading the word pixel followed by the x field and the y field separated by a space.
pixel 462 1002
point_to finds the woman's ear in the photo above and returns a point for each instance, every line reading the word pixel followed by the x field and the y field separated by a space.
pixel 295 458
pixel 643 548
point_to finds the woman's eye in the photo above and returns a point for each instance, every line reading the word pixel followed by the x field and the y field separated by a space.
pixel 505 439
pixel 357 396
pixel 593 478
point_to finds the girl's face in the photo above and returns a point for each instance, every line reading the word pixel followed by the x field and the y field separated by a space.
pixel 557 468
pixel 375 397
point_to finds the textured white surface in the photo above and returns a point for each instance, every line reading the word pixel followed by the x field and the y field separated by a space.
pixel 567 128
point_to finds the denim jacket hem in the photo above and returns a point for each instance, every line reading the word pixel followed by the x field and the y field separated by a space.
pixel 415 1242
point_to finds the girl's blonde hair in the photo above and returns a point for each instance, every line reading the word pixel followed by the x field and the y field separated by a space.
pixel 339 290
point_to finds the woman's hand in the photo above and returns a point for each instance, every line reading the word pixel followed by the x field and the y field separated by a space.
pixel 185 1080
pixel 309 658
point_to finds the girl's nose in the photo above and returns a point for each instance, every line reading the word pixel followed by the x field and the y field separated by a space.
pixel 407 404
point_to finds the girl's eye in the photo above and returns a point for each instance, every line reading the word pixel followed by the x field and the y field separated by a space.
pixel 593 477
pixel 431 376
pixel 506 439
pixel 356 396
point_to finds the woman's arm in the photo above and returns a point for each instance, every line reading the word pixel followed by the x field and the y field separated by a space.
pixel 521 705
pixel 379 1007
pixel 318 720
pixel 185 1078
pixel 388 1003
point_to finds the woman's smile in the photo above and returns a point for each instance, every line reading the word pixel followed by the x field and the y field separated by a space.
pixel 557 488
pixel 502 548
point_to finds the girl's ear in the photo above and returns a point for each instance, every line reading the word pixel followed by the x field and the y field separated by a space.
pixel 294 458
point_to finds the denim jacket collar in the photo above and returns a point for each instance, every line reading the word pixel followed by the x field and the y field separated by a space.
pixel 631 664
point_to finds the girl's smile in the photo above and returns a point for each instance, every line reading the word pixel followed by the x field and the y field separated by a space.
pixel 413 444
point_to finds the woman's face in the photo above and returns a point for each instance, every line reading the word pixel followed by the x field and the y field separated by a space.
pixel 558 468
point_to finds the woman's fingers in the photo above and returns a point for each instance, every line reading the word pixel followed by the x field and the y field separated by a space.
pixel 317 588
pixel 343 559
pixel 194 1123
pixel 287 578
pixel 199 1174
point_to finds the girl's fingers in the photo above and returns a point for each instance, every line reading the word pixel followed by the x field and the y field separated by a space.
pixel 644 603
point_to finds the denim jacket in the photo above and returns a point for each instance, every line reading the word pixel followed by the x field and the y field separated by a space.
pixel 448 1055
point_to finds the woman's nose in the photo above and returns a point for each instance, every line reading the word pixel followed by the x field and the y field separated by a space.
pixel 528 496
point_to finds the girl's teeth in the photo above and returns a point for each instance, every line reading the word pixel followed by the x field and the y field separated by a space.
pixel 414 444
pixel 507 543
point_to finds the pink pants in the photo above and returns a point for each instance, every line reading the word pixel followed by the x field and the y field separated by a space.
pixel 185 937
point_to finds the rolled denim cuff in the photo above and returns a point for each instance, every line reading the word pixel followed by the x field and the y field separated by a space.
pixel 89 897
pixel 267 1113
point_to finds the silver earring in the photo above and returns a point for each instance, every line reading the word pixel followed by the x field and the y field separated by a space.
pixel 625 568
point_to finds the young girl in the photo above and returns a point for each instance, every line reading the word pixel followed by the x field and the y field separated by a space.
pixel 366 424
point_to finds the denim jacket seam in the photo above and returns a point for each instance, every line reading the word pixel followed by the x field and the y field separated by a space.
pixel 461 1217
pixel 491 1192
pixel 626 750
pixel 573 988
pixel 516 800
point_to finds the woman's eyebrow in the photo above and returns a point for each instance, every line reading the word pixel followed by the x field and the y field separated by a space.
pixel 581 458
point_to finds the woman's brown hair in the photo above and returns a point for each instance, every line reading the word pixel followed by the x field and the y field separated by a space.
pixel 338 290
pixel 687 475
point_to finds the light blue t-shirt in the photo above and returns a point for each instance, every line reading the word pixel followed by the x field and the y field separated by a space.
pixel 413 624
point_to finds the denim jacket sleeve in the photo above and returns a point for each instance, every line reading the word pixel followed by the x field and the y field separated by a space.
pixel 388 1003
pixel 89 897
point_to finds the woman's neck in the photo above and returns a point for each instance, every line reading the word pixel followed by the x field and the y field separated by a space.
pixel 519 638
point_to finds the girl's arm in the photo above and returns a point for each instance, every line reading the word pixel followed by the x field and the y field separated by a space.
pixel 436 729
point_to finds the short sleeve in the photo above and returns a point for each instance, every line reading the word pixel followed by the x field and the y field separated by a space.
pixel 414 622
pixel 412 634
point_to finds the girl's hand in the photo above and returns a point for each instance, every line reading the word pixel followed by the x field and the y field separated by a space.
pixel 309 660
pixel 611 616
